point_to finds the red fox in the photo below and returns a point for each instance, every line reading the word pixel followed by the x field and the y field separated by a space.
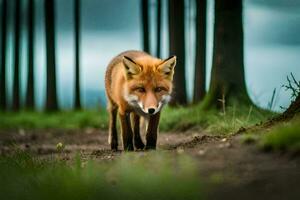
pixel 137 85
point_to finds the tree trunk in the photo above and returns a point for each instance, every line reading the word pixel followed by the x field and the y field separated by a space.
pixel 227 76
pixel 200 72
pixel 145 22
pixel 177 47
pixel 30 75
pixel 16 81
pixel 158 23
pixel 51 96
pixel 4 16
pixel 77 53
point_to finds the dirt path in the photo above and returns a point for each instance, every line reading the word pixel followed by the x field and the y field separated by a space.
pixel 234 170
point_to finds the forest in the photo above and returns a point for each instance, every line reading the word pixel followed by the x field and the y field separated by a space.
pixel 230 131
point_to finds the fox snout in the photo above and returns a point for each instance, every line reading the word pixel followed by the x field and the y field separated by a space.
pixel 150 103
pixel 153 105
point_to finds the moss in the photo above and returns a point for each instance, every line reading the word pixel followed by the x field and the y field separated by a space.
pixel 285 137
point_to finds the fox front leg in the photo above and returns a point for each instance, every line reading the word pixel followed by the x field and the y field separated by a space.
pixel 138 143
pixel 127 135
pixel 151 135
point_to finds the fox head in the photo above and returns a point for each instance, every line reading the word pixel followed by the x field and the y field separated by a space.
pixel 148 83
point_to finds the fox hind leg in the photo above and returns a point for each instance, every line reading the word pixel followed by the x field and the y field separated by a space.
pixel 113 135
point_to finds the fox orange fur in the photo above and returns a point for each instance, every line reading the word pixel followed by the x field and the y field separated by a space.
pixel 137 85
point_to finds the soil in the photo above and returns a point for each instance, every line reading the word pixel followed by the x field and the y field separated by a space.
pixel 230 169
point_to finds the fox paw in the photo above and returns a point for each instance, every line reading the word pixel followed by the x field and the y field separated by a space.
pixel 139 145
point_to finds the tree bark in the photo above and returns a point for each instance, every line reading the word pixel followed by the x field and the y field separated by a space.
pixel 200 67
pixel 145 23
pixel 227 83
pixel 158 23
pixel 16 81
pixel 77 53
pixel 177 47
pixel 51 96
pixel 30 74
pixel 3 102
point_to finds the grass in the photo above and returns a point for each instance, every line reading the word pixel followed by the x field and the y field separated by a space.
pixel 151 175
pixel 285 137
pixel 212 121
pixel 60 120
pixel 172 119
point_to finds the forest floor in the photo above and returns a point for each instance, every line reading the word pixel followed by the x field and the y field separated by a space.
pixel 227 167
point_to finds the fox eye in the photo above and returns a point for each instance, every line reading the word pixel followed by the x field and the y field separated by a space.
pixel 159 89
pixel 141 90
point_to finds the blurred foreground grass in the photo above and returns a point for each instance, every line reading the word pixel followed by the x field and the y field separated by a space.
pixel 173 119
pixel 144 175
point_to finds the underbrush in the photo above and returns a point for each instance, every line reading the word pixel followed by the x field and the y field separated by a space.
pixel 152 175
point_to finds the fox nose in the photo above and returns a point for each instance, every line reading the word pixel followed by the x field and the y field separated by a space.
pixel 151 110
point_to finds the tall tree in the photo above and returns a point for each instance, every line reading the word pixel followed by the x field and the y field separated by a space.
pixel 227 75
pixel 4 16
pixel 158 29
pixel 30 73
pixel 145 23
pixel 177 47
pixel 199 81
pixel 16 81
pixel 51 96
pixel 77 53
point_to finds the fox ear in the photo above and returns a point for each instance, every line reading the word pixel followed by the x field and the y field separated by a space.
pixel 131 68
pixel 167 67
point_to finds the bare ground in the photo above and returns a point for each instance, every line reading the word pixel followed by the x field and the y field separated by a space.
pixel 230 169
